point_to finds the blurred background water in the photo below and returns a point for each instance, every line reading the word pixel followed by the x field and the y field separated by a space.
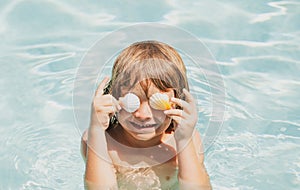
pixel 255 44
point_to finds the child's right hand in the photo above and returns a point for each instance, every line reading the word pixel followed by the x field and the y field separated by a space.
pixel 103 106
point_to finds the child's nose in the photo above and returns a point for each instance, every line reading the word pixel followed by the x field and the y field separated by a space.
pixel 144 112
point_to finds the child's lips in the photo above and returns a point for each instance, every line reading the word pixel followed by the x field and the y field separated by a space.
pixel 143 126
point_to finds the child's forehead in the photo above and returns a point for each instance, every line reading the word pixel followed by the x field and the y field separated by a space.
pixel 142 89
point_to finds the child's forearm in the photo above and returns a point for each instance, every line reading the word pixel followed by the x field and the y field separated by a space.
pixel 192 173
pixel 99 169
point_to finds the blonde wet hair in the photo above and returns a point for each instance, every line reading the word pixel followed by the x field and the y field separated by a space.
pixel 146 63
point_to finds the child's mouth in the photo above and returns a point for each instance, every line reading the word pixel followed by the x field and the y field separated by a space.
pixel 143 126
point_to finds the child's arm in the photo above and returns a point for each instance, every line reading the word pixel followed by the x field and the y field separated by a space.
pixel 99 169
pixel 99 173
pixel 192 173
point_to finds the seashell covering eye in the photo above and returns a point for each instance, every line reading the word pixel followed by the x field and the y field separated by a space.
pixel 160 101
pixel 130 102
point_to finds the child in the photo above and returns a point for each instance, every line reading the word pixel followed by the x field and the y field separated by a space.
pixel 144 147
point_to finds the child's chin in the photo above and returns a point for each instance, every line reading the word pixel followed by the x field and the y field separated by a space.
pixel 144 136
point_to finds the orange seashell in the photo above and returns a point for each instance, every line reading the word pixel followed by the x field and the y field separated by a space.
pixel 160 101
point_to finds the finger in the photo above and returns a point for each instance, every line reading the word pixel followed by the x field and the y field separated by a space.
pixel 108 100
pixel 175 112
pixel 116 103
pixel 177 119
pixel 180 102
pixel 101 86
pixel 104 100
pixel 188 96
pixel 107 109
pixel 121 101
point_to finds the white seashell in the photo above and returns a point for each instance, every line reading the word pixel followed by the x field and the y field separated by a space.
pixel 160 101
pixel 130 102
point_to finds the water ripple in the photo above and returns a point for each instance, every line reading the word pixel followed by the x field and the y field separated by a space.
pixel 248 154
pixel 256 46
pixel 281 10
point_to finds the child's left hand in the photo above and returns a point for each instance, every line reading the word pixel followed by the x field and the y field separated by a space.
pixel 185 118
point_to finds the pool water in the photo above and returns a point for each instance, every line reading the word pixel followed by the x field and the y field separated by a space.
pixel 255 45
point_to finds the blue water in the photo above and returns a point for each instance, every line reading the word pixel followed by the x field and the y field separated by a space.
pixel 255 45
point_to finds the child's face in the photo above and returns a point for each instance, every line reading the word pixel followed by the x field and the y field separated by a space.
pixel 145 123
